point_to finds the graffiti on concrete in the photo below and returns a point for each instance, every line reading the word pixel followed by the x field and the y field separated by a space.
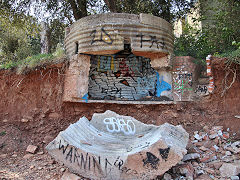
pixel 120 125
pixel 164 153
pixel 151 159
pixel 202 90
pixel 183 86
pixel 101 36
pixel 85 97
pixel 182 82
pixel 162 85
pixel 153 41
pixel 127 77
pixel 85 161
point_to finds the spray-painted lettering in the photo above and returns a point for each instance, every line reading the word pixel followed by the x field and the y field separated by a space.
pixel 120 125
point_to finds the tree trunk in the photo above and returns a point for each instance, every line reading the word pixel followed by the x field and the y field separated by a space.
pixel 45 38
pixel 111 4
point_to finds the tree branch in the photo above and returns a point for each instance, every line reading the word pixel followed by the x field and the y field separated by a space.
pixel 111 4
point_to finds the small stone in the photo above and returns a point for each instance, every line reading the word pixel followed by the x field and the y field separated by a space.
pixel 236 146
pixel 208 158
pixel 40 153
pixel 27 156
pixel 197 137
pixel 211 176
pixel 3 156
pixel 220 133
pixel 206 128
pixel 200 172
pixel 54 115
pixel 215 148
pixel 70 176
pixel 195 164
pixel 31 167
pixel 202 148
pixel 31 148
pixel 213 136
pixel 39 168
pixel 167 176
pixel 205 137
pixel 228 170
pixel 14 155
pixel 52 161
pixel 191 148
pixel 47 139
pixel 24 120
pixel 234 178
pixel 228 153
pixel 5 120
pixel 62 169
pixel 217 128
pixel 217 165
pixel 203 177
pixel 226 135
pixel 209 171
pixel 48 177
pixel 187 170
pixel 191 156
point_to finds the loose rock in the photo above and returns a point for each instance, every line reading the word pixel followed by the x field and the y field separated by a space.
pixel 32 149
pixel 228 170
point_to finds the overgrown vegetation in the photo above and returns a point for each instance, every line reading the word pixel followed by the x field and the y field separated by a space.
pixel 39 60
pixel 20 33
pixel 219 35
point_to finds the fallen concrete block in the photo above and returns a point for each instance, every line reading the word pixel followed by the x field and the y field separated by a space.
pixel 111 146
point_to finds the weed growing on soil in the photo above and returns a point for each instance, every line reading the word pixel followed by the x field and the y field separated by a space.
pixel 3 133
pixel 39 60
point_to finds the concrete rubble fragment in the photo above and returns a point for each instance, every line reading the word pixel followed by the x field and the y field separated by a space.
pixel 111 146
pixel 31 149
pixel 216 158
pixel 191 156
pixel 229 169
pixel 70 176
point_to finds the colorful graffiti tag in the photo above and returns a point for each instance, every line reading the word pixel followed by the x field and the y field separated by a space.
pixel 182 82
pixel 124 77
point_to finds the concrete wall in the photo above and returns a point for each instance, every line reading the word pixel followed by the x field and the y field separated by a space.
pixel 185 79
pixel 126 78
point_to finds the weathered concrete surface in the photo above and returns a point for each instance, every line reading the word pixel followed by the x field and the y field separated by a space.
pixel 101 34
pixel 111 146
pixel 76 79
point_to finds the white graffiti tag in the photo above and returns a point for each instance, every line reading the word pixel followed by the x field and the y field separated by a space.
pixel 117 125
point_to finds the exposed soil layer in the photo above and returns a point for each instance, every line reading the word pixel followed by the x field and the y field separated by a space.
pixel 32 111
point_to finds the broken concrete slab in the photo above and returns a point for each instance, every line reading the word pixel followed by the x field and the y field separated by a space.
pixel 111 146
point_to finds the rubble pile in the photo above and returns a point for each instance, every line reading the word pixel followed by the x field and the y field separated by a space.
pixel 212 154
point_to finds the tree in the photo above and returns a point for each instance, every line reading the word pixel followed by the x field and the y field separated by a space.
pixel 220 21
pixel 17 33
pixel 71 10
pixel 166 9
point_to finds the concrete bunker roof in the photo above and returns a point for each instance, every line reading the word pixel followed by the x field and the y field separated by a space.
pixel 101 34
